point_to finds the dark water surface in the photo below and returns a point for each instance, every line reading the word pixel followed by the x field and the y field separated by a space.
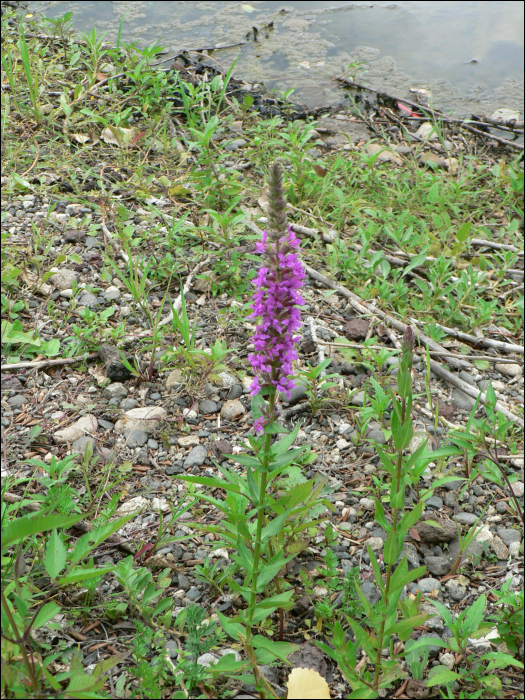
pixel 469 55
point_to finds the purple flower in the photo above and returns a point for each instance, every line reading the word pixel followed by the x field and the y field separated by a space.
pixel 275 302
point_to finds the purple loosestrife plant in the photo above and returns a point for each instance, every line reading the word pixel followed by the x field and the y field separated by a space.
pixel 263 529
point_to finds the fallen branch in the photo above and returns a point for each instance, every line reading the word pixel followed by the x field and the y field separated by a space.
pixel 50 363
pixel 361 306
pixel 484 342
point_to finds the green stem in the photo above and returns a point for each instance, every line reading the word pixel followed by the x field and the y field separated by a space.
pixel 27 663
pixel 399 465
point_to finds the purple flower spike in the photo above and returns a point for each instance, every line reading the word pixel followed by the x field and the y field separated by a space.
pixel 275 302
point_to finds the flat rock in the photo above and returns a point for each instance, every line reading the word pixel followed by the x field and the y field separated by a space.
pixel 85 425
pixel 371 592
pixel 484 535
pixel 112 293
pixel 377 436
pixel 517 488
pixel 412 556
pixel 144 418
pixel 309 656
pixel 88 299
pixel 188 441
pixel 220 448
pixel 384 155
pixel 430 586
pixel 228 380
pixel 512 370
pixel 466 518
pixel 64 279
pixel 134 504
pixel 356 328
pixel 376 543
pixel 367 503
pixel 174 379
pixel 296 394
pixel 442 531
pixel 234 145
pixel 456 588
pixel 231 409
pixel 427 131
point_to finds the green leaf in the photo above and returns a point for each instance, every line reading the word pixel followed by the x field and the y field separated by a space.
pixel 274 527
pixel 415 262
pixel 32 524
pixel 380 516
pixel 463 231
pixel 283 445
pixel 210 481
pixel 390 548
pixel 403 436
pixel 279 650
pixel 433 194
pixel 107 664
pixel 404 628
pixel 442 676
pixel 45 614
pixel 232 629
pixel 56 554
pixel 500 660
pixel 80 574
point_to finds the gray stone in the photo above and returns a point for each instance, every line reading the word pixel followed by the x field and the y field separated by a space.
pixel 499 548
pixel 427 585
pixel 112 293
pixel 208 406
pixel 371 592
pixel 235 392
pixel 434 502
pixel 193 593
pixel 80 444
pixel 105 424
pixel 451 500
pixel 206 660
pixel 155 396
pixel 453 485
pixel 467 518
pixel 438 566
pixel 136 437
pixel 455 590
pixel 127 404
pixel 17 401
pixel 357 399
pixel 462 401
pixel 377 436
pixel 88 299
pixel 184 582
pixel 296 394
pixel 409 550
pixel 234 145
pixel 153 444
pixel 434 623
pixel 172 649
pixel 174 379
pixel 509 535
pixel 230 409
pixel 433 649
pixel 116 390
pixel 196 457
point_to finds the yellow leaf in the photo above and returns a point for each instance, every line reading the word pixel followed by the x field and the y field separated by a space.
pixel 248 8
pixel 307 683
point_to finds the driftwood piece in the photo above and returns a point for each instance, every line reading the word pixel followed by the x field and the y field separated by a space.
pixel 362 307
pixel 50 363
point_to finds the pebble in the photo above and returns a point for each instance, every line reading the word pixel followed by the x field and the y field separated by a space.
pixel 174 379
pixel 235 392
pixel 296 394
pixel 207 406
pixel 484 535
pixel 232 408
pixel 153 444
pixel 438 566
pixel 514 549
pixel 517 488
pixel 172 649
pixel 116 390
pixel 467 518
pixel 188 441
pixel 228 380
pixel 457 587
pixel 384 155
pixel 410 552
pixel 145 418
pixel 376 543
pixel 155 396
pixel 499 548
pixel 80 444
pixel 88 299
pixel 367 503
pixel 377 436
pixel 135 437
pixel 434 623
pixel 427 585
pixel 132 505
pixel 17 401
pixel 371 592
pixel 64 279
pixel 127 404
pixel 512 370
pixel 234 145
pixel 86 424
pixel 434 502
pixel 196 457
pixel 112 293
pixel 433 649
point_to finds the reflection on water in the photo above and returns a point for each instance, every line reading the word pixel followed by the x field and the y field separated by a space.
pixel 470 54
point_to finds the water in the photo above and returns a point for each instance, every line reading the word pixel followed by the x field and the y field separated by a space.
pixel 468 54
